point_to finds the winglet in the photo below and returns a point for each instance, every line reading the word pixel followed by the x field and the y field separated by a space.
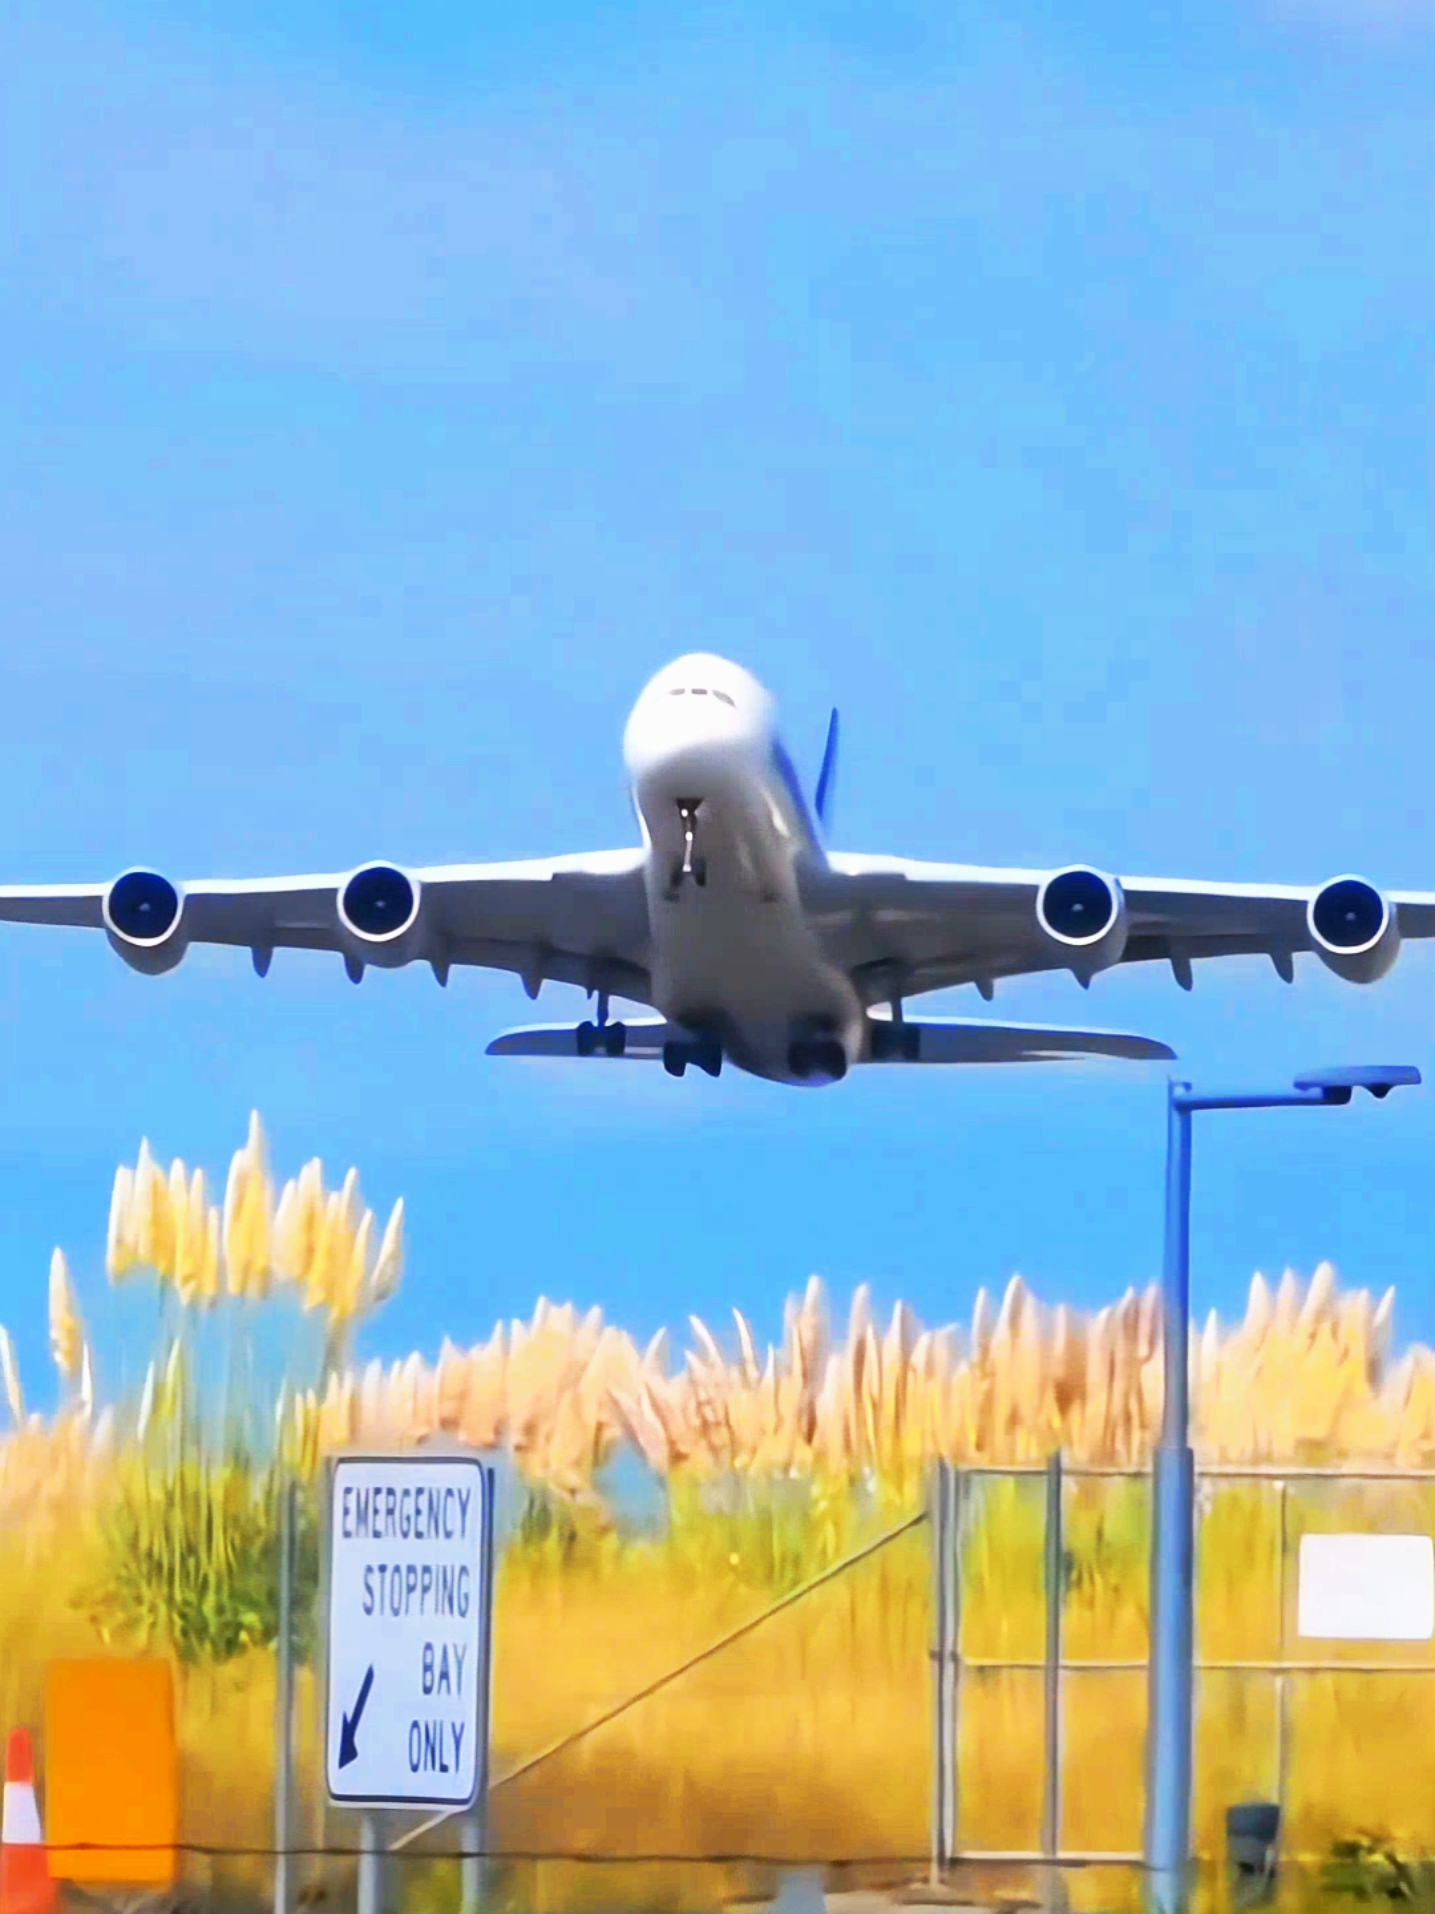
pixel 827 776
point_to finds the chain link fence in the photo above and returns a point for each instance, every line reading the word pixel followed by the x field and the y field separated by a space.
pixel 1035 1611
pixel 1041 1600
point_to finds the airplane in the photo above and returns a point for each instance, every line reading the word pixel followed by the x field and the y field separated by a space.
pixel 753 942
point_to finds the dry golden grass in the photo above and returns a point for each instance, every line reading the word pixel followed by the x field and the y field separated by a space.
pixel 811 1735
pixel 1304 1378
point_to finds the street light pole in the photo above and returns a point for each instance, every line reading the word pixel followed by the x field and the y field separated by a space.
pixel 1173 1543
pixel 1168 1790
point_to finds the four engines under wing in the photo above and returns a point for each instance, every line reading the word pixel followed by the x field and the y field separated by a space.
pixel 900 927
pixel 578 920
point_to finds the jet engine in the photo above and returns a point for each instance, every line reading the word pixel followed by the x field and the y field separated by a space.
pixel 1083 914
pixel 144 919
pixel 1354 930
pixel 378 913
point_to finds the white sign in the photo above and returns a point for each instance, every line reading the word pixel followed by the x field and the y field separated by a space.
pixel 1371 1588
pixel 409 1608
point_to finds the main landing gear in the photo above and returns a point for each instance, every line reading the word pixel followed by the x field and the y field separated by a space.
pixel 894 1042
pixel 705 1053
pixel 607 1039
pixel 690 864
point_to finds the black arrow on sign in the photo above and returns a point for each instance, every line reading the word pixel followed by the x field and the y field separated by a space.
pixel 348 1748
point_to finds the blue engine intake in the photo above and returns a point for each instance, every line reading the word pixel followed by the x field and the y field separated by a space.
pixel 143 913
pixel 1354 930
pixel 1083 913
pixel 378 904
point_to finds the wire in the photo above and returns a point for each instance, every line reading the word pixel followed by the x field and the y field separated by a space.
pixel 674 1674
pixel 588 1857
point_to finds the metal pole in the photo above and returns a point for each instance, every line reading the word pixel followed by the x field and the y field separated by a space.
pixel 1170 1677
pixel 943 1727
pixel 284 1704
pixel 323 1813
pixel 1051 1792
pixel 475 1823
pixel 368 1897
pixel 471 1866
pixel 956 1495
pixel 1282 1688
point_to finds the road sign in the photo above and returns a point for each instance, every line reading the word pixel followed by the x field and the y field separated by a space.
pixel 410 1605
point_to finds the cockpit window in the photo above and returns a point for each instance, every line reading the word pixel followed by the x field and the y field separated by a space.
pixel 700 691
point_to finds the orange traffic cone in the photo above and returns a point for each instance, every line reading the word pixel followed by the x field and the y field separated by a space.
pixel 25 1884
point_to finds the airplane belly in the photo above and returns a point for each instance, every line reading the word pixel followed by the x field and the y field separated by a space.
pixel 731 950
pixel 736 954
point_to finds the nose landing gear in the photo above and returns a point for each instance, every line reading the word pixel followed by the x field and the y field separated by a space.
pixel 690 865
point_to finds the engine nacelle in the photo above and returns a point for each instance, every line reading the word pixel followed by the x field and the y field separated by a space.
pixel 1083 914
pixel 144 919
pixel 379 912
pixel 1354 929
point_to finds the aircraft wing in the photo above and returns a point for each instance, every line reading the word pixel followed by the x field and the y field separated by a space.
pixel 643 1040
pixel 939 925
pixel 980 1040
pixel 581 920
pixel 928 1040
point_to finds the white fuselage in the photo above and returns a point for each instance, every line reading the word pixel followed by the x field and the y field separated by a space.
pixel 735 954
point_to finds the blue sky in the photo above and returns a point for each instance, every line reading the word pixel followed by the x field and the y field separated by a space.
pixel 389 391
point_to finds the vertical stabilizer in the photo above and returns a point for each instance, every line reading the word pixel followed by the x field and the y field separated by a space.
pixel 827 776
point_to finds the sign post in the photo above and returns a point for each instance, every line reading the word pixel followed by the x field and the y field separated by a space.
pixel 409 1639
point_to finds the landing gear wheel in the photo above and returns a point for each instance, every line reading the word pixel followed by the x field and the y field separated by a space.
pixel 895 1043
pixel 706 1055
pixel 700 872
pixel 607 1039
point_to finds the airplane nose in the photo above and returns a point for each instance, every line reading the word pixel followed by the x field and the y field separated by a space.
pixel 696 712
pixel 667 724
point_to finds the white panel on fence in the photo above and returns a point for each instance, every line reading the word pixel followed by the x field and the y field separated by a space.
pixel 1373 1588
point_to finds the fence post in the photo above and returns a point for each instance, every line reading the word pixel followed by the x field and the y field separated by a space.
pixel 946 1621
pixel 1054 1578
pixel 1282 1679
pixel 284 1702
